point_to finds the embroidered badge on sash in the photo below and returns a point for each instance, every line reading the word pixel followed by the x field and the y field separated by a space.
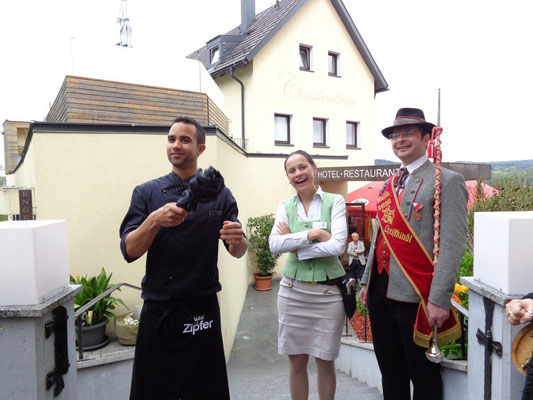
pixel 388 216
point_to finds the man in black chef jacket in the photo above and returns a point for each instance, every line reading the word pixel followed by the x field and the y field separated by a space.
pixel 179 352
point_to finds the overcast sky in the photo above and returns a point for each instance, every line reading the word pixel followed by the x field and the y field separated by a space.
pixel 478 52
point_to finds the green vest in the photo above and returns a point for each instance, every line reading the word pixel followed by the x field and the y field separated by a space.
pixel 315 269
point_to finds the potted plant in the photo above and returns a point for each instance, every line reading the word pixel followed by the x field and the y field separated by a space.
pixel 96 317
pixel 259 229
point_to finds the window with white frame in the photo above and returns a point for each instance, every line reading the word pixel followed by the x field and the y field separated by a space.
pixel 282 129
pixel 319 132
pixel 305 58
pixel 351 135
pixel 333 63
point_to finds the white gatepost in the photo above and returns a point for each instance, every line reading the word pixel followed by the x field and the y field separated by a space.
pixel 37 353
pixel 503 270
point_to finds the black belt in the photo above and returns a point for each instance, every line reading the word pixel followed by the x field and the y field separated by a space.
pixel 329 282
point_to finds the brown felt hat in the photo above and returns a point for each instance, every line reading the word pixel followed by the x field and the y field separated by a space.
pixel 407 117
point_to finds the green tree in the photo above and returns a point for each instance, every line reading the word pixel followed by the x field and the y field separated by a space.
pixel 522 176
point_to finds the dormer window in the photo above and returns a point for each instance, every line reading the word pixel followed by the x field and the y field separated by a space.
pixel 214 55
pixel 220 48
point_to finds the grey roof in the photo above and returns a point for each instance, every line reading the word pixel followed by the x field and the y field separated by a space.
pixel 267 24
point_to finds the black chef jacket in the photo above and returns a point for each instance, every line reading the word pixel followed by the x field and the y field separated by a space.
pixel 182 260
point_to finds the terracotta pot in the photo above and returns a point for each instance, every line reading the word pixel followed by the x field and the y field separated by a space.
pixel 263 282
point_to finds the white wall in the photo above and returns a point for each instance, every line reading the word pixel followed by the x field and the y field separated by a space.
pixel 275 84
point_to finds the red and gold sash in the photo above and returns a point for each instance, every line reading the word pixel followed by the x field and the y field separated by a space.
pixel 415 263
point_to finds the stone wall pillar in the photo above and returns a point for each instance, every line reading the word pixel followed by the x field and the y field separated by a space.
pixel 37 337
pixel 503 261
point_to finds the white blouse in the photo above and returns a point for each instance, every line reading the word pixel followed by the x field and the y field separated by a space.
pixel 298 241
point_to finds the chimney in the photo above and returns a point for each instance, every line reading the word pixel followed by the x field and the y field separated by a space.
pixel 247 14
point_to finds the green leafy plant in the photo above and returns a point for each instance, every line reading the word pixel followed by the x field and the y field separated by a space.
pixel 258 230
pixel 467 264
pixel 360 307
pixel 454 349
pixel 91 288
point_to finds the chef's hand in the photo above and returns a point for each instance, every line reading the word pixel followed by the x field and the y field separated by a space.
pixel 233 235
pixel 169 215
pixel 231 232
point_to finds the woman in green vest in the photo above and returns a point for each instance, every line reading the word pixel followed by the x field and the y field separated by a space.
pixel 311 227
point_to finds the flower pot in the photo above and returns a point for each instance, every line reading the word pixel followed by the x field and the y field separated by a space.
pixel 94 336
pixel 263 282
pixel 126 329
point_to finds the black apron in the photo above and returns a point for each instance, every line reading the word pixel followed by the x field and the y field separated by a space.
pixel 179 353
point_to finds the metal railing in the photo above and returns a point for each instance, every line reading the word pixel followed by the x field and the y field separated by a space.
pixel 463 313
pixel 79 314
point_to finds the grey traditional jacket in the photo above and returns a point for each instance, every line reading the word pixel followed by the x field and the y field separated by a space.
pixel 454 197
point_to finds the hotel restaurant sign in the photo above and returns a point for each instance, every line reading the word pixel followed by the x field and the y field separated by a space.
pixel 383 172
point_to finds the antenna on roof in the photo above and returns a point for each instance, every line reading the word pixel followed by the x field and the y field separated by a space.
pixel 125 26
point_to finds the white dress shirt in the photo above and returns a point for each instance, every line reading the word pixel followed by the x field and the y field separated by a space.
pixel 414 165
pixel 298 241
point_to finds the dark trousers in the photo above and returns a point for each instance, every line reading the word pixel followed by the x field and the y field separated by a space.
pixel 179 353
pixel 400 359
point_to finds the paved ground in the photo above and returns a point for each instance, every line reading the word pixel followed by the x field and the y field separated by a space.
pixel 257 372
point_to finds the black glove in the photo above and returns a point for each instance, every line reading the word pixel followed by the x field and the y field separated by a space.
pixel 202 186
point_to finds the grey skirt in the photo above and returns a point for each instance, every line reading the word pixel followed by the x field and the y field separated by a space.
pixel 311 319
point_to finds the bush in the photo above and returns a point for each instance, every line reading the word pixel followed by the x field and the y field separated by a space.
pixel 467 264
pixel 258 230
pixel 513 195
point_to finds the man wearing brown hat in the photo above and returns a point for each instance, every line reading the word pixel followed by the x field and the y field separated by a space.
pixel 404 293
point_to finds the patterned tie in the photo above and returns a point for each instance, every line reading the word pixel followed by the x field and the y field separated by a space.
pixel 402 177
